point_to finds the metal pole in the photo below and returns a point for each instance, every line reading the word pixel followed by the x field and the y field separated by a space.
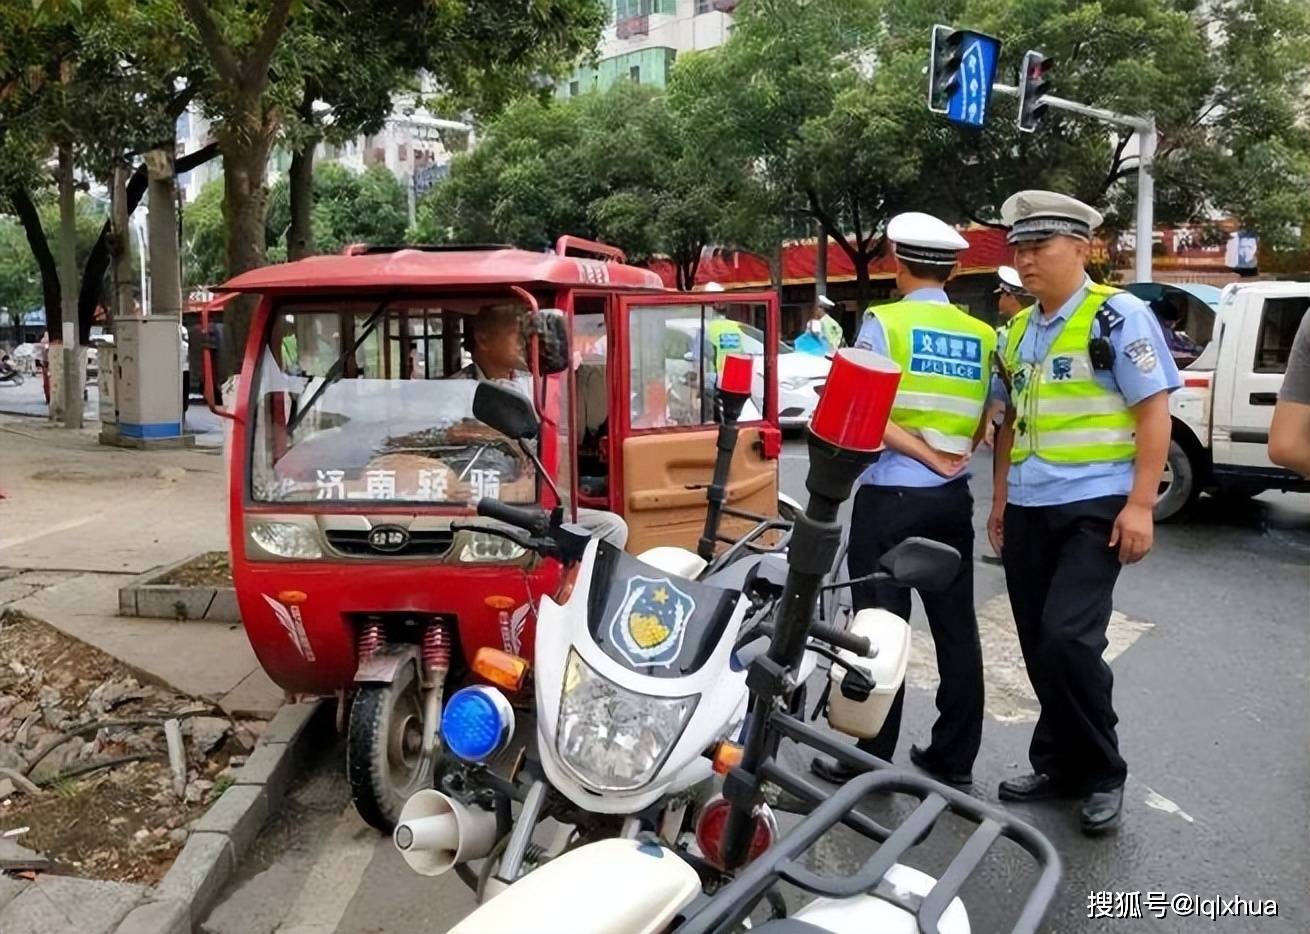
pixel 1146 140
pixel 72 384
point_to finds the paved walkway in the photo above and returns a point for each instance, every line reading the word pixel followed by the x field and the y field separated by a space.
pixel 79 519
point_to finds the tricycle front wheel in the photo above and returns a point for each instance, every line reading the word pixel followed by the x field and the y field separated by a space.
pixel 384 750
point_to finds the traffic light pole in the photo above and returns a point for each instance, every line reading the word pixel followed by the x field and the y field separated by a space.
pixel 1144 127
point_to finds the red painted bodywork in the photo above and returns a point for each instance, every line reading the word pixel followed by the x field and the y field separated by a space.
pixel 337 589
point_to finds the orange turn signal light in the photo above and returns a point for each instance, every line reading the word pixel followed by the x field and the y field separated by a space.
pixel 727 756
pixel 292 597
pixel 499 602
pixel 500 668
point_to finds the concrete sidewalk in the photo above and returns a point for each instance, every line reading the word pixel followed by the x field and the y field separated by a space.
pixel 79 519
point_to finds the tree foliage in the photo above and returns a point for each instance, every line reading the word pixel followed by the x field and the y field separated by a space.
pixel 617 166
pixel 348 207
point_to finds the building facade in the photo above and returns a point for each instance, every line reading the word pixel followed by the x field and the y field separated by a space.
pixel 643 39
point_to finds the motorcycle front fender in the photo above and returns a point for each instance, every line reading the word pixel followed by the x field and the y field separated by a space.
pixel 384 665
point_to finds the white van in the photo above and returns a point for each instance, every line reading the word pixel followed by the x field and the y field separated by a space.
pixel 1221 414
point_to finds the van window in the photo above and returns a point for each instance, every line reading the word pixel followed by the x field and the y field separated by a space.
pixel 1278 323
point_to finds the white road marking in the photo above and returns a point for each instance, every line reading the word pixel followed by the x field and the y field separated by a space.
pixel 1158 801
pixel 334 878
pixel 43 531
pixel 1010 697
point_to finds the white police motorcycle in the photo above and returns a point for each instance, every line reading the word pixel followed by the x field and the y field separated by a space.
pixel 647 720
pixel 640 679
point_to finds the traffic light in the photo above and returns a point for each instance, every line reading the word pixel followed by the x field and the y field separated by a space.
pixel 1034 83
pixel 944 71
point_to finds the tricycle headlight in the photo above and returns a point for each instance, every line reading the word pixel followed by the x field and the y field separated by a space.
pixel 481 547
pixel 613 739
pixel 286 539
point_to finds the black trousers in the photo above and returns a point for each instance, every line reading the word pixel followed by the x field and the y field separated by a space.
pixel 883 517
pixel 1060 572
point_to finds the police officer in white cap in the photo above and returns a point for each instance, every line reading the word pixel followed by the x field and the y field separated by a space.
pixel 1011 294
pixel 1086 376
pixel 920 486
pixel 1012 299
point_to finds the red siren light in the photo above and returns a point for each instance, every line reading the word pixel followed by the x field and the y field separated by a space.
pixel 856 401
pixel 736 375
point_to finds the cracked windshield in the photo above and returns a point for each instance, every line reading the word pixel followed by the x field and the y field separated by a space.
pixel 373 402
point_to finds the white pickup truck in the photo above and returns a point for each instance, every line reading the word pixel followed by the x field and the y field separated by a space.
pixel 1222 412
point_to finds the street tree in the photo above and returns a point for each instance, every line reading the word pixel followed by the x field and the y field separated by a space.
pixel 615 165
pixel 359 61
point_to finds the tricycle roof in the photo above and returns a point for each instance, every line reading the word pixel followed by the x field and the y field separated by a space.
pixel 409 270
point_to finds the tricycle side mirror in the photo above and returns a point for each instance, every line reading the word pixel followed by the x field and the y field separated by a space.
pixel 509 412
pixel 551 328
pixel 209 339
pixel 922 563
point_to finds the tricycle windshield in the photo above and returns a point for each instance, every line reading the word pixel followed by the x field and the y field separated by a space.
pixel 372 402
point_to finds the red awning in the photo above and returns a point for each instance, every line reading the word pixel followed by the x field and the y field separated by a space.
pixel 735 270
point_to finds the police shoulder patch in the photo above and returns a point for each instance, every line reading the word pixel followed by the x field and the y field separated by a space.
pixel 1141 353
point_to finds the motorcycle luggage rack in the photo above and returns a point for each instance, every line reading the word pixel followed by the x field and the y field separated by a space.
pixel 782 861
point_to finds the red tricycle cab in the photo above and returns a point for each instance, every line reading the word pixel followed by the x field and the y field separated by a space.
pixel 355 461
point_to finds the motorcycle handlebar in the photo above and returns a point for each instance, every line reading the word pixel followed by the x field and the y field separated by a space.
pixel 531 519
pixel 841 639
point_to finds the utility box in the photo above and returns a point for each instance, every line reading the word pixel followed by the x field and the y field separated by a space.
pixel 147 393
pixel 107 364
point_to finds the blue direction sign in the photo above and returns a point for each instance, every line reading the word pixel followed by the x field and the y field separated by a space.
pixel 963 69
pixel 968 104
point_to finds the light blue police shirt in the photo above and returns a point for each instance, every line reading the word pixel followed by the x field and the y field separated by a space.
pixel 1143 366
pixel 894 468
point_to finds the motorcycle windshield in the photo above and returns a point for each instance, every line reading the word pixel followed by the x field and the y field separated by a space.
pixel 652 622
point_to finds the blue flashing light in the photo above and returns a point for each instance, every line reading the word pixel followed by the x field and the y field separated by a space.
pixel 476 723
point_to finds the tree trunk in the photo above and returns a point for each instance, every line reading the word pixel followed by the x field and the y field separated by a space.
pixel 245 204
pixel 165 273
pixel 862 289
pixel 118 241
pixel 300 235
pixel 28 216
pixel 821 265
pixel 98 261
pixel 73 359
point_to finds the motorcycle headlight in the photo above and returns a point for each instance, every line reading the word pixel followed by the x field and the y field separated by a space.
pixel 480 547
pixel 613 739
pixel 286 539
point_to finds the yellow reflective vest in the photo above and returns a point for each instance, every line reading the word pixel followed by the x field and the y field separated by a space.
pixel 1062 414
pixel 945 356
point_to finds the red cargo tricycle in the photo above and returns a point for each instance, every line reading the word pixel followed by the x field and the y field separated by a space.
pixel 354 447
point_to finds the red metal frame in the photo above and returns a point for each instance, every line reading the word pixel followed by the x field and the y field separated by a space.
pixel 621 389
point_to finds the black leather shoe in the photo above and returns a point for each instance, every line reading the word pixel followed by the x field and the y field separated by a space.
pixel 836 772
pixel 1100 811
pixel 925 761
pixel 1034 787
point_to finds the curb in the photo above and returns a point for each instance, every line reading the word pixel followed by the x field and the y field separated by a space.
pixel 224 834
pixel 139 597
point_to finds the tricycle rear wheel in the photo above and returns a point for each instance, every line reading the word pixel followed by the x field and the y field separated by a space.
pixel 385 763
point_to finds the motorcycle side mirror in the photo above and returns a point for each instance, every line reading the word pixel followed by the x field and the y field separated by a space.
pixel 922 563
pixel 505 410
pixel 551 328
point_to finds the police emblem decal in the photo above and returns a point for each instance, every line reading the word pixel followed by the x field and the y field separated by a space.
pixel 1062 368
pixel 651 622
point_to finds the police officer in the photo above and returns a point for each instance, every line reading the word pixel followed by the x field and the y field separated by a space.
pixel 1010 292
pixel 1012 298
pixel 1086 377
pixel 920 487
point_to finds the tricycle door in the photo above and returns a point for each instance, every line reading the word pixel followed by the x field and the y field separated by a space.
pixel 672 347
pixel 1264 347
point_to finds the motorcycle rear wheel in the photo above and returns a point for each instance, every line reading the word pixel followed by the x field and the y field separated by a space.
pixel 385 763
